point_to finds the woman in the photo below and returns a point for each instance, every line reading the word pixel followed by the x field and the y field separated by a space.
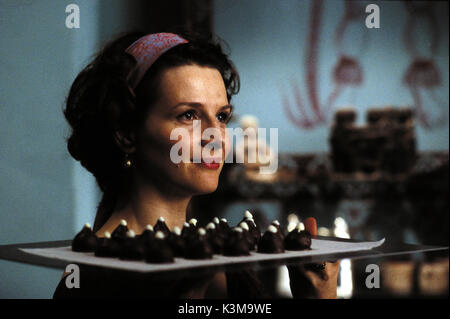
pixel 123 108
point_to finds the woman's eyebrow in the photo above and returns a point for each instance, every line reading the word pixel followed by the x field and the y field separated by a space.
pixel 200 105
pixel 228 106
pixel 192 104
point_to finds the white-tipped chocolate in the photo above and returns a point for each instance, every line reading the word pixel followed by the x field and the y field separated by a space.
pixel 107 234
pixel 123 222
pixel 272 229
pixel 244 226
pixel 186 225
pixel 161 219
pixel 216 220
pixel 149 227
pixel 250 220
pixel 87 225
pixel 193 221
pixel 276 222
pixel 247 214
pixel 300 227
pixel 177 230
pixel 201 231
pixel 291 226
pixel 224 220
pixel 159 234
pixel 238 229
pixel 210 226
pixel 130 234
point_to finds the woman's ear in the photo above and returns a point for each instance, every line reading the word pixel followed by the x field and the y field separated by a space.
pixel 125 141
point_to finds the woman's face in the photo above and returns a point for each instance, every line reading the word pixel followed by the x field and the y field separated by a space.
pixel 187 93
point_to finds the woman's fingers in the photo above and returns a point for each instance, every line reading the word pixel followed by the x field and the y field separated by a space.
pixel 314 280
pixel 311 225
pixel 325 282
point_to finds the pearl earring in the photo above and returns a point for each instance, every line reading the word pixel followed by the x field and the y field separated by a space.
pixel 128 162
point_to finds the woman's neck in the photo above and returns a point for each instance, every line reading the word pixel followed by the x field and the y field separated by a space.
pixel 145 205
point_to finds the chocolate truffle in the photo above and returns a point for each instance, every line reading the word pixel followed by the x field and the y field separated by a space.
pixel 216 221
pixel 215 240
pixel 271 242
pixel 147 236
pixel 187 232
pixel 223 228
pixel 198 247
pixel 277 225
pixel 253 228
pixel 298 240
pixel 162 227
pixel 247 215
pixel 159 251
pixel 248 235
pixel 236 244
pixel 132 248
pixel 85 240
pixel 193 223
pixel 120 233
pixel 106 247
pixel 177 242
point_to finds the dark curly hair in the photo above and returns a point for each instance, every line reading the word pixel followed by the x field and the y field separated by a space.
pixel 101 102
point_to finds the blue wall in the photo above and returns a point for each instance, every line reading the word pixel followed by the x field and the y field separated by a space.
pixel 44 194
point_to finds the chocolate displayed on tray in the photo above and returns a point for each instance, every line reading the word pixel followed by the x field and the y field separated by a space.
pixel 85 240
pixel 193 246
pixel 271 242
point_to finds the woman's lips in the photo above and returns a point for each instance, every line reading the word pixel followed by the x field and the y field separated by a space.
pixel 210 163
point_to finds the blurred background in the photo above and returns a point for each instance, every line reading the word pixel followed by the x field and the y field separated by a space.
pixel 362 118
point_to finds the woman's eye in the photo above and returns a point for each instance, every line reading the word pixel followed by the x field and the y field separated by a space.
pixel 224 117
pixel 187 116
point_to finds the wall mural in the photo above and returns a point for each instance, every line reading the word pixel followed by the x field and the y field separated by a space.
pixel 421 77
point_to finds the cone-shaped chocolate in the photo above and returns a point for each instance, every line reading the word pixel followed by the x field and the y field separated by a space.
pixel 199 247
pixel 177 242
pixel 297 240
pixel 223 228
pixel 236 244
pixel 162 227
pixel 271 242
pixel 159 250
pixel 147 236
pixel 132 248
pixel 107 247
pixel 248 235
pixel 120 233
pixel 85 240
pixel 188 231
pixel 214 238
pixel 280 231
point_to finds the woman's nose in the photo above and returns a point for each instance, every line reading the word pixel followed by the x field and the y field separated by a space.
pixel 211 133
pixel 215 139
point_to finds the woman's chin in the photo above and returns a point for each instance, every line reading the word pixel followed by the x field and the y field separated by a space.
pixel 206 188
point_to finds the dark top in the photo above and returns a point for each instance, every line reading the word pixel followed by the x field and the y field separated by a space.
pixel 98 282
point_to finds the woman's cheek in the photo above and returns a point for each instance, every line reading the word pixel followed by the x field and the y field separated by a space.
pixel 226 144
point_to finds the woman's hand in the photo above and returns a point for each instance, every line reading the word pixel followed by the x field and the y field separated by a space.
pixel 314 280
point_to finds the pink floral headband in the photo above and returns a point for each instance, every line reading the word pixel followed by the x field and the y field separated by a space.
pixel 148 49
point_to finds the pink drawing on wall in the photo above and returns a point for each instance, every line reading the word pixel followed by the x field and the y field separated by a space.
pixel 346 73
pixel 422 77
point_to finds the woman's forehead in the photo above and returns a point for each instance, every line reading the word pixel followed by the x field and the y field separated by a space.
pixel 190 82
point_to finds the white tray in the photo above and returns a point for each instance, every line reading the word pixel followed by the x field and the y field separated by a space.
pixel 318 247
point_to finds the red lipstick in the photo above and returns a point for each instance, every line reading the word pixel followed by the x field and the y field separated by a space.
pixel 214 164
